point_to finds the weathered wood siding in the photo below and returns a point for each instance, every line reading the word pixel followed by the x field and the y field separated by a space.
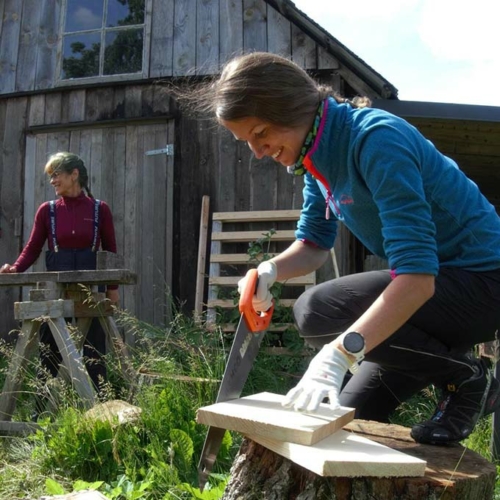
pixel 186 37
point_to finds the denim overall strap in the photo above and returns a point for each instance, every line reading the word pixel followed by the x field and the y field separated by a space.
pixel 97 204
pixel 52 208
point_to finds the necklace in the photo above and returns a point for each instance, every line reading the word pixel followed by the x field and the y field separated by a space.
pixel 298 168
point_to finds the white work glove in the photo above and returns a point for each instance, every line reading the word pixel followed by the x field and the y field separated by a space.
pixel 323 378
pixel 267 273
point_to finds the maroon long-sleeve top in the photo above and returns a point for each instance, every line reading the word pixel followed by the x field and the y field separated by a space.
pixel 74 228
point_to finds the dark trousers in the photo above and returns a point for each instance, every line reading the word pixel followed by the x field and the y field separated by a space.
pixel 93 347
pixel 433 347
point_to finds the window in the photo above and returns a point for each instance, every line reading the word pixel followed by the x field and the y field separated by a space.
pixel 102 38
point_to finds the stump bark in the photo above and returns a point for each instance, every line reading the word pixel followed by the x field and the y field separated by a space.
pixel 452 473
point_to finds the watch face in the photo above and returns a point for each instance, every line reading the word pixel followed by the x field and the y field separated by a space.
pixel 354 342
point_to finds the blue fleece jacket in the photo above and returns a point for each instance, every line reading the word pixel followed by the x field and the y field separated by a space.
pixel 397 193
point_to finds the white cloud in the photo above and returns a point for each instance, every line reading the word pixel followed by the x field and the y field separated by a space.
pixel 86 19
pixel 431 50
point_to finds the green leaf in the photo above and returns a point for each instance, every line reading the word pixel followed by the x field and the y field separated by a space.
pixel 53 487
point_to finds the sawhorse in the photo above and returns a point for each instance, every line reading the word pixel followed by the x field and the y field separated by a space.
pixel 56 296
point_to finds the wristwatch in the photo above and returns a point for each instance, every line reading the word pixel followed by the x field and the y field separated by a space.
pixel 354 344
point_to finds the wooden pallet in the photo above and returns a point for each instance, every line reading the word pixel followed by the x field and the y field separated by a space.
pixel 231 235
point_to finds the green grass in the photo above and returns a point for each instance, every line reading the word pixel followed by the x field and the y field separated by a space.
pixel 155 457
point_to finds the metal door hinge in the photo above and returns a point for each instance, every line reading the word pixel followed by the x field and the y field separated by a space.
pixel 167 150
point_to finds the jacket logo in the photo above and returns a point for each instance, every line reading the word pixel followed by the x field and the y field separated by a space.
pixel 345 199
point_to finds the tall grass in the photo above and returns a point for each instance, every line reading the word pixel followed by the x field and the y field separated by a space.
pixel 155 456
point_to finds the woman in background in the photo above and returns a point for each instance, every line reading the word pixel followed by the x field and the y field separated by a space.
pixel 75 225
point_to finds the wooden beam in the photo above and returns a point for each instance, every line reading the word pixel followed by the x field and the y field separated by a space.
pixel 263 415
pixel 110 277
pixel 243 236
pixel 257 215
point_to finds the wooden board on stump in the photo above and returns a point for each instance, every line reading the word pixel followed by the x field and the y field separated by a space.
pixel 452 473
pixel 262 414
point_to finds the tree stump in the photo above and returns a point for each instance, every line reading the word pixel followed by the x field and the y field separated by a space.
pixel 452 473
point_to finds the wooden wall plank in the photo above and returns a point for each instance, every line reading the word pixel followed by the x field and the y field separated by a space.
pixel 48 40
pixel 133 101
pixel 36 110
pixel 304 51
pixel 131 214
pixel 9 44
pixel 326 60
pixel 76 105
pixel 95 166
pixel 279 33
pixel 13 114
pixel 146 177
pixel 207 36
pixel 231 29
pixel 184 58
pixel 169 222
pixel 158 195
pixel 162 39
pixel 53 108
pixel 28 46
pixel 254 25
pixel 224 198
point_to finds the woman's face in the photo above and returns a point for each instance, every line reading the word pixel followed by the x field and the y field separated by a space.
pixel 65 184
pixel 282 144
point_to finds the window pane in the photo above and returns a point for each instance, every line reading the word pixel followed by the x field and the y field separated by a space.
pixel 84 15
pixel 123 52
pixel 125 12
pixel 81 55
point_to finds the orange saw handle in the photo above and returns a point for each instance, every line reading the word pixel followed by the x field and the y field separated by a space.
pixel 255 321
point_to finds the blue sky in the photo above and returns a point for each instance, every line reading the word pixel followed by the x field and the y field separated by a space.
pixel 430 50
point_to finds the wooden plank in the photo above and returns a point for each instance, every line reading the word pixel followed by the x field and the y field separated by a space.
pixel 184 59
pixel 345 454
pixel 162 36
pixel 309 279
pixel 257 215
pixel 72 360
pixel 242 236
pixel 279 33
pixel 228 304
pixel 111 276
pixel 231 29
pixel 18 428
pixel 234 258
pixel 207 35
pixel 76 105
pixel 303 49
pixel 130 215
pixel 52 308
pixel 169 216
pixel 145 182
pixel 254 25
pixel 48 40
pixel 9 44
pixel 202 257
pixel 263 415
pixel 28 46
pixel 36 110
pixel 326 60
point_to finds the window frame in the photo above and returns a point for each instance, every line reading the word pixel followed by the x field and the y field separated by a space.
pixel 104 78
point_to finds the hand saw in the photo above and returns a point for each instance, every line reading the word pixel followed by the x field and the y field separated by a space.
pixel 251 329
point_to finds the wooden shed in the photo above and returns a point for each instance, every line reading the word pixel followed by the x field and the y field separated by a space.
pixel 87 77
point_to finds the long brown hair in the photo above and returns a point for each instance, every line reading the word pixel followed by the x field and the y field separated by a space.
pixel 264 85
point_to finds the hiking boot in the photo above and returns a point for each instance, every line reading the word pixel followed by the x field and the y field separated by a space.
pixel 460 408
